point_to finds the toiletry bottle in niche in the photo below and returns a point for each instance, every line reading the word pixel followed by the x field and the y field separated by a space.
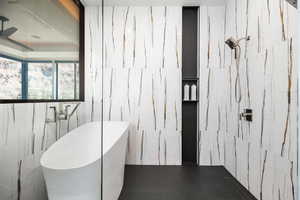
pixel 194 92
pixel 186 92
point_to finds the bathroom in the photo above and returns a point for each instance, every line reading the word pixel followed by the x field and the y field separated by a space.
pixel 149 99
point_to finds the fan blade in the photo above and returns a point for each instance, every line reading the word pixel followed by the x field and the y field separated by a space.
pixel 4 19
pixel 20 44
pixel 8 32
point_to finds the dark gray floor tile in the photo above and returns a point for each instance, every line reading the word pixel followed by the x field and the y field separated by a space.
pixel 181 183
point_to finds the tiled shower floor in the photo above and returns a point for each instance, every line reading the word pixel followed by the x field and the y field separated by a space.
pixel 181 183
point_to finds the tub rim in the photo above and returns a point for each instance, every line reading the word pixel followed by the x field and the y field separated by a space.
pixel 86 164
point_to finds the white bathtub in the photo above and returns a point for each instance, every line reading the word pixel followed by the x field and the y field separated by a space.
pixel 71 166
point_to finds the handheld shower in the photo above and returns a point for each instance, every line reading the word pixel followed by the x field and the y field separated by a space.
pixel 234 44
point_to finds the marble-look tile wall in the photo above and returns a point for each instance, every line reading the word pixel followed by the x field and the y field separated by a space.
pixel 25 135
pixel 142 82
pixel 262 154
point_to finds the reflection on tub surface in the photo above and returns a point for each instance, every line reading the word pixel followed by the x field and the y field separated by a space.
pixel 71 166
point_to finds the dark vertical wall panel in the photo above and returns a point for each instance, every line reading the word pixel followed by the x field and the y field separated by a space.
pixel 189 41
pixel 189 73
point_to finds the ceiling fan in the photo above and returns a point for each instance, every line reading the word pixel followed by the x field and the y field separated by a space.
pixel 6 33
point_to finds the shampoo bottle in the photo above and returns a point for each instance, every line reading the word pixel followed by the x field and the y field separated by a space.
pixel 186 92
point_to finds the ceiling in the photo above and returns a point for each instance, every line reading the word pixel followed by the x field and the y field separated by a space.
pixel 43 25
pixel 153 2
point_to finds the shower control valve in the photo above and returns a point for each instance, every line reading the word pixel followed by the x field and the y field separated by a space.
pixel 247 115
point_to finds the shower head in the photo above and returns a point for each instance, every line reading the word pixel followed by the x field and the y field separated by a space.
pixel 233 43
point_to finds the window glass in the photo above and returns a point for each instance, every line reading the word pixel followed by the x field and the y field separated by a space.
pixel 41 80
pixel 10 79
pixel 67 81
pixel 41 46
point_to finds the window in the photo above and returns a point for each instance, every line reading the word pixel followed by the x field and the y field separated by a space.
pixel 68 80
pixel 10 79
pixel 38 63
pixel 41 81
pixel 34 80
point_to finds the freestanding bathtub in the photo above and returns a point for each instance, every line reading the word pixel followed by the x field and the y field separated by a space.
pixel 71 166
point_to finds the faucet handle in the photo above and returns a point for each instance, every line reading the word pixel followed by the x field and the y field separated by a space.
pixel 247 115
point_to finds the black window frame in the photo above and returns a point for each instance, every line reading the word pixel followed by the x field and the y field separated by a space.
pixel 24 87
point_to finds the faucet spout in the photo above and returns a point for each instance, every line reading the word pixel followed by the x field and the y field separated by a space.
pixel 64 114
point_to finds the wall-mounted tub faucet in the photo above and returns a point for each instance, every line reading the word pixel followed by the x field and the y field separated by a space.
pixel 62 113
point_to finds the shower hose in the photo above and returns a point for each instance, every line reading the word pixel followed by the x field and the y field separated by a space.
pixel 237 89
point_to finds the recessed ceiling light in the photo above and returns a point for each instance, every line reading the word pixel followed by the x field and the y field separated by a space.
pixel 36 37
